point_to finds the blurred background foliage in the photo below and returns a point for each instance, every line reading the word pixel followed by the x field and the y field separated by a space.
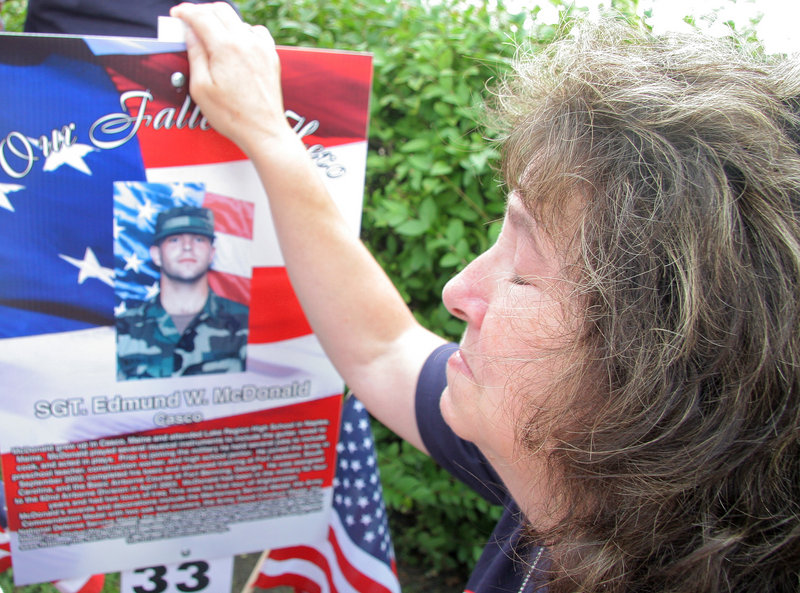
pixel 433 198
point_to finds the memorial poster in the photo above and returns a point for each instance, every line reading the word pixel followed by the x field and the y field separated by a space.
pixel 123 449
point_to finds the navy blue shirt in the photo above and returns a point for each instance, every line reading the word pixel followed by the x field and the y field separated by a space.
pixel 126 18
pixel 504 563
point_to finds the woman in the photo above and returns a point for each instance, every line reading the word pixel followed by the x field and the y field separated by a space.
pixel 627 384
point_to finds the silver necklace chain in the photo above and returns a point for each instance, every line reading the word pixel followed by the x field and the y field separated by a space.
pixel 530 571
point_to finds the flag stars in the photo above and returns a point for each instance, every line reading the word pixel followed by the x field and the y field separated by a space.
pixel 152 291
pixel 5 189
pixel 180 191
pixel 357 497
pixel 71 156
pixel 117 229
pixel 132 262
pixel 120 309
pixel 146 212
pixel 89 267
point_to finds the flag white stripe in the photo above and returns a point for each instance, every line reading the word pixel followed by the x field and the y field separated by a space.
pixel 304 568
pixel 312 571
pixel 239 180
pixel 233 255
pixel 365 563
pixel 71 585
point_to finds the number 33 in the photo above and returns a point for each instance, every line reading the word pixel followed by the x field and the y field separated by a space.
pixel 196 579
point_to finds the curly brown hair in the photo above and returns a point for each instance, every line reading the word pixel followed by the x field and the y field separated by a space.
pixel 681 472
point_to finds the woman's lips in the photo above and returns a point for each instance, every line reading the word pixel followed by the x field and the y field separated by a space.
pixel 458 363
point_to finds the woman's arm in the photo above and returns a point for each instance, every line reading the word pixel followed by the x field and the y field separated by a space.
pixel 361 320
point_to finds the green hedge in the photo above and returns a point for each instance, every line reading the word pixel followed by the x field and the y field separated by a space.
pixel 431 192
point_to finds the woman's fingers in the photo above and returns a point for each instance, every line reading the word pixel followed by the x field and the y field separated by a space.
pixel 211 23
pixel 235 72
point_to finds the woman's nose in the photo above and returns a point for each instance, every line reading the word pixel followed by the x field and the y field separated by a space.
pixel 466 295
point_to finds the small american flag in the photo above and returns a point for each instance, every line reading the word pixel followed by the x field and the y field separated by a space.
pixel 357 556
pixel 5 551
pixel 93 584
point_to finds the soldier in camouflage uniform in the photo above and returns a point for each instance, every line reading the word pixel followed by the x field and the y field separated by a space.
pixel 186 329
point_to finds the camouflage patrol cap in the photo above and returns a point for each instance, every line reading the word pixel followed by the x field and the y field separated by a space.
pixel 184 219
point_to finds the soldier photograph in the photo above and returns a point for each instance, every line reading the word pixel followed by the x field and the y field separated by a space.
pixel 186 329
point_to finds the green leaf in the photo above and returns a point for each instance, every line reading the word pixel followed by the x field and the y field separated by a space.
pixel 411 228
pixel 415 145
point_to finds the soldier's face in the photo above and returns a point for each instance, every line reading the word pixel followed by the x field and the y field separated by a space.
pixel 184 257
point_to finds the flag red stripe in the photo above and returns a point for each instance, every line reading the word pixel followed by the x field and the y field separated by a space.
pixel 344 80
pixel 309 554
pixel 5 547
pixel 358 580
pixel 355 577
pixel 231 216
pixel 330 142
pixel 93 584
pixel 169 145
pixel 275 312
pixel 299 582
pixel 230 286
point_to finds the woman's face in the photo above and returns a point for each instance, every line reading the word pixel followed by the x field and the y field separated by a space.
pixel 512 300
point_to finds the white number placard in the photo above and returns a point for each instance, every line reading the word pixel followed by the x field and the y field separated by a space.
pixel 192 576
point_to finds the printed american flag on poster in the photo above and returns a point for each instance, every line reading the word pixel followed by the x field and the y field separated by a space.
pixel 357 556
pixel 83 116
pixel 60 155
